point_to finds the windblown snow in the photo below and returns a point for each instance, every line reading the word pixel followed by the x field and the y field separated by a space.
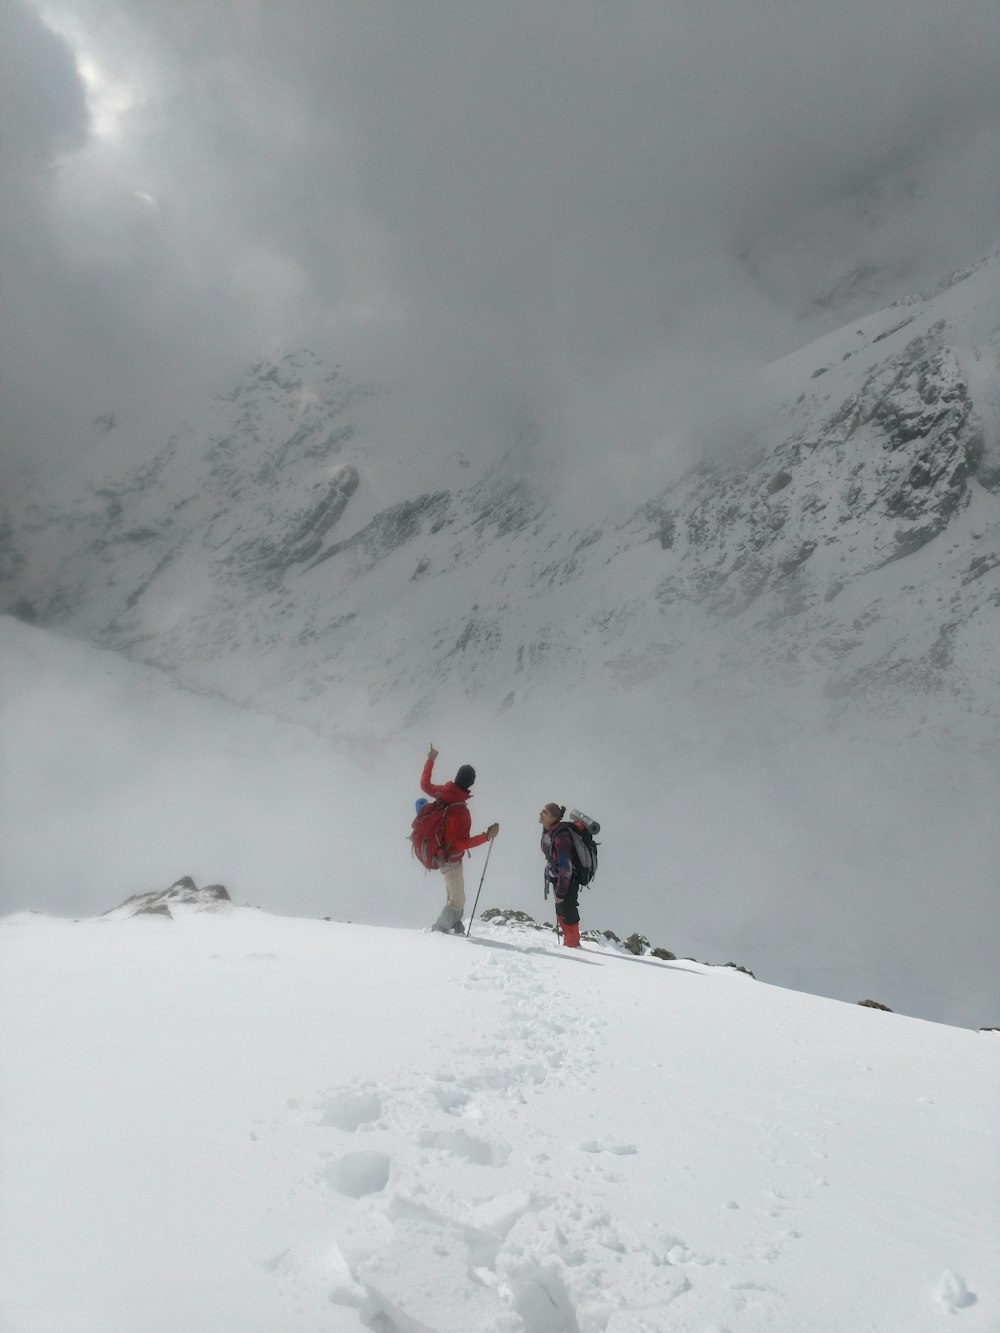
pixel 226 1120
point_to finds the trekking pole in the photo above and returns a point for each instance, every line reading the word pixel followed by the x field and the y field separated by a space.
pixel 468 929
pixel 547 881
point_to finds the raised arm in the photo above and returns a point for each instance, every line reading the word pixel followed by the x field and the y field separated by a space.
pixel 426 785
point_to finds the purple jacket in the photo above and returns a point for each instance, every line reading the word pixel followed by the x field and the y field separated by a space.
pixel 557 848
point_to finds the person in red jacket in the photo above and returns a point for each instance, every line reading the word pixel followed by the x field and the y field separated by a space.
pixel 457 838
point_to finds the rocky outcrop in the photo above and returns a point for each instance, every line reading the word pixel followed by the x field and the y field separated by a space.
pixel 183 893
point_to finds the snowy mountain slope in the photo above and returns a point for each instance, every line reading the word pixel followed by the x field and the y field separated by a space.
pixel 851 550
pixel 232 1120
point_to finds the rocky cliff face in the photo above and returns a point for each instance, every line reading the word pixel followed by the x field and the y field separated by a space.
pixel 852 549
pixel 862 545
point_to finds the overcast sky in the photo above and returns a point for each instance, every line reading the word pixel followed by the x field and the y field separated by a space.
pixel 592 216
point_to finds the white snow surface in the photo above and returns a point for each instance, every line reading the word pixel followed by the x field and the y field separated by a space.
pixel 238 1121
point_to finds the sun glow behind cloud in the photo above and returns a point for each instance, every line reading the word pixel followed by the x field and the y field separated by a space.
pixel 109 102
pixel 110 98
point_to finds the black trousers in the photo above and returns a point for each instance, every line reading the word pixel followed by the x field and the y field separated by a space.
pixel 568 908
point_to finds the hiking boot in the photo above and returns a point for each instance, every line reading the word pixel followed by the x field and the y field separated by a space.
pixel 571 935
pixel 458 928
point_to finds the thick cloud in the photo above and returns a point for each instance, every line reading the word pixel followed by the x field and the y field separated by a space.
pixel 587 216
pixel 42 105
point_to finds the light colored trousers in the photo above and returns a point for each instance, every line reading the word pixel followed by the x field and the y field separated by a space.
pixel 454 895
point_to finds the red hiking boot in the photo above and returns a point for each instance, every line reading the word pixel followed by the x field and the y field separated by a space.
pixel 571 935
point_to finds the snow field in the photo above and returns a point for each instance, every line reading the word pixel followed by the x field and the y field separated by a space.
pixel 237 1121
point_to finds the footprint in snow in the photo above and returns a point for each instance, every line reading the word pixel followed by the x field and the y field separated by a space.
pixel 553 1266
pixel 952 1292
pixel 496 1216
pixel 352 1109
pixel 434 1277
pixel 463 1146
pixel 359 1174
pixel 450 1097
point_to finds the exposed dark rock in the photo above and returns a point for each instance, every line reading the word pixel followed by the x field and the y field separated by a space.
pixel 799 558
pixel 942 649
pixel 874 1004
pixel 183 892
pixel 980 566
pixel 506 916
pixel 217 891
pixel 306 538
pixel 881 337
pixel 305 530
pixel 665 954
pixel 390 529
pixel 151 908
pixel 637 944
pixel 139 591
pixel 508 511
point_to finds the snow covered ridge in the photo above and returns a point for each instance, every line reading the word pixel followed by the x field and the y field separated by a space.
pixel 281 1123
pixel 185 896
pixel 635 944
pixel 274 551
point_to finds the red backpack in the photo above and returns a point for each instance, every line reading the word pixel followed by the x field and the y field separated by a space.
pixel 427 837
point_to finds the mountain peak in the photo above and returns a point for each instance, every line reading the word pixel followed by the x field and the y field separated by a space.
pixel 183 893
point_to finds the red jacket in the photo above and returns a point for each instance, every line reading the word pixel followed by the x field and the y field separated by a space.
pixel 457 820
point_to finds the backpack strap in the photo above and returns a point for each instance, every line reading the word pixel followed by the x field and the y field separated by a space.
pixel 552 856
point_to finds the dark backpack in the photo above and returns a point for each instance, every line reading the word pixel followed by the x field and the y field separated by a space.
pixel 584 848
pixel 427 835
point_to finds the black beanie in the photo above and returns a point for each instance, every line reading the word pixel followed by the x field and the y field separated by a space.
pixel 465 777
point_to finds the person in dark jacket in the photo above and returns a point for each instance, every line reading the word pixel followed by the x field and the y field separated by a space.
pixel 457 838
pixel 557 848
